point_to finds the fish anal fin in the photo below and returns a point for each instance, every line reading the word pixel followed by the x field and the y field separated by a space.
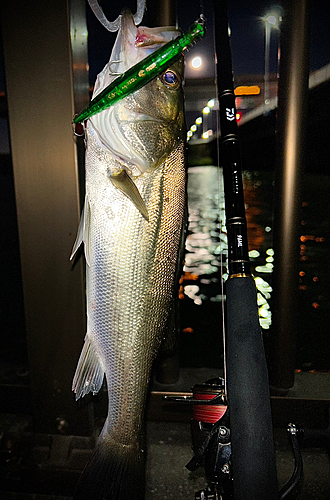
pixel 89 372
pixel 122 181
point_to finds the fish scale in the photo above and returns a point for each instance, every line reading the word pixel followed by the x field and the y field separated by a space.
pixel 135 266
pixel 132 229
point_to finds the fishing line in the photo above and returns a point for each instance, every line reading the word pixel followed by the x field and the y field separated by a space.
pixel 221 213
pixel 201 7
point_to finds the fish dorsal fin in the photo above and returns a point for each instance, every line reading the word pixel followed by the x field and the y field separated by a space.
pixel 125 184
pixel 89 373
pixel 83 232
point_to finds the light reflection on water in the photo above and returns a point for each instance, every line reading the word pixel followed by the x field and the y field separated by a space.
pixel 206 244
pixel 201 317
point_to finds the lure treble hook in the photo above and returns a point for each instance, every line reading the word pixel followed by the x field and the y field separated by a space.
pixel 115 25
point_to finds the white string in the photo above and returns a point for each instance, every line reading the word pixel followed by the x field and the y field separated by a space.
pixel 115 25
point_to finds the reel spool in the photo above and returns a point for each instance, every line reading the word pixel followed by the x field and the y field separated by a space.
pixel 210 413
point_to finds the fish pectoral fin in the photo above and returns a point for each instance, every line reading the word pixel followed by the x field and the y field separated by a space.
pixel 89 373
pixel 83 232
pixel 125 184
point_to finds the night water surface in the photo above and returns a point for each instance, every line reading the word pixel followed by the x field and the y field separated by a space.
pixel 205 262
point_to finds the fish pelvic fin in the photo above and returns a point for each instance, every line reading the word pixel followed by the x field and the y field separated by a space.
pixel 115 472
pixel 83 232
pixel 89 373
pixel 122 181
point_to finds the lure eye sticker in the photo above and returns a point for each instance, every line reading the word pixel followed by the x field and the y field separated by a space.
pixel 171 79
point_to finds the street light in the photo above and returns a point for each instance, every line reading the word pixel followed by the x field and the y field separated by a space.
pixel 206 111
pixel 271 21
pixel 196 62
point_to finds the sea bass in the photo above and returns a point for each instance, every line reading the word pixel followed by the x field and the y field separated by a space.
pixel 131 228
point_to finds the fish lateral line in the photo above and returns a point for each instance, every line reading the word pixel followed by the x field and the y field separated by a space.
pixel 143 72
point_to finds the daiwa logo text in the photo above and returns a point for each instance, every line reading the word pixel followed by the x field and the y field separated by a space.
pixel 230 114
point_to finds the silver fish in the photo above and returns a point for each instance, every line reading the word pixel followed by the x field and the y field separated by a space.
pixel 131 228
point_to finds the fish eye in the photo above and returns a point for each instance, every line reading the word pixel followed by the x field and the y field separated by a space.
pixel 170 79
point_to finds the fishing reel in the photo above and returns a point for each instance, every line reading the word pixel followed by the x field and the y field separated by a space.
pixel 210 438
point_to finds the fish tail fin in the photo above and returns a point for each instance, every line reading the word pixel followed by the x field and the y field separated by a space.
pixel 114 472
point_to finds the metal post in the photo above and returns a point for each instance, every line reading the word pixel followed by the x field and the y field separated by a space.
pixel 267 49
pixel 39 80
pixel 162 13
pixel 78 35
pixel 292 109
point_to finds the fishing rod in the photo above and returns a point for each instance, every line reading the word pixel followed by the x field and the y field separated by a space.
pixel 253 455
pixel 239 445
pixel 232 429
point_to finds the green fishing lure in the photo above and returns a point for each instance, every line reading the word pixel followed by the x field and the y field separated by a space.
pixel 143 72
